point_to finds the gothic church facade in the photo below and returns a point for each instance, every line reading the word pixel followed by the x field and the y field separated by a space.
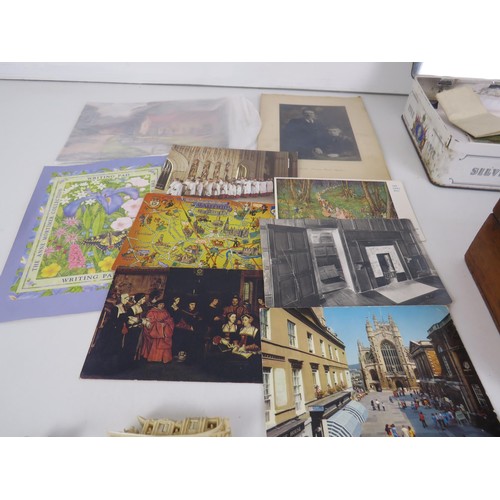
pixel 386 364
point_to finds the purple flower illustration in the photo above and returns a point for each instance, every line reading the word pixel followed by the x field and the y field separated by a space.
pixel 49 251
pixel 71 221
pixel 60 232
pixel 109 198
pixel 71 238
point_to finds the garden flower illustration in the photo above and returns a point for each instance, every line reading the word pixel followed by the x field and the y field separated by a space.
pixel 60 232
pixel 49 251
pixel 109 198
pixel 75 258
pixel 106 263
pixel 71 238
pixel 51 270
pixel 121 223
pixel 131 207
pixel 71 221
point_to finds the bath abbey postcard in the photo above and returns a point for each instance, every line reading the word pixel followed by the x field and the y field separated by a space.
pixel 185 231
pixel 333 136
pixel 76 221
pixel 391 371
pixel 300 198
pixel 237 174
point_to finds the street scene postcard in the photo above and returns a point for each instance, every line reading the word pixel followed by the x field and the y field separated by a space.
pixel 398 371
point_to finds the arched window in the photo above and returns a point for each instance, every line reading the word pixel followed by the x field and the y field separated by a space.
pixel 241 171
pixel 391 358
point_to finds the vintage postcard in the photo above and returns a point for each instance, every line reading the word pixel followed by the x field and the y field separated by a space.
pixel 122 130
pixel 237 174
pixel 188 325
pixel 300 198
pixel 184 231
pixel 346 262
pixel 392 371
pixel 71 233
pixel 333 136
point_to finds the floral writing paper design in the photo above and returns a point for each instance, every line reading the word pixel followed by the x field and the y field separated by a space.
pixel 80 230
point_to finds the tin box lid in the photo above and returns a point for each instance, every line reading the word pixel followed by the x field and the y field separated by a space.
pixel 481 69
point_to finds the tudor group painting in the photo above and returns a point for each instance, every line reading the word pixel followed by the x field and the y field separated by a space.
pixel 186 325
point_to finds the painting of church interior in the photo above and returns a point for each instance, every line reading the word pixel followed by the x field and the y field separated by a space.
pixel 350 262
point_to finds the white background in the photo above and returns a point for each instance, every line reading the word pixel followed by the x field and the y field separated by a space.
pixel 34 124
pixel 389 78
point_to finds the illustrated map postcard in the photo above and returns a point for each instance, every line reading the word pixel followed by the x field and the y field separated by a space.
pixel 333 136
pixel 70 235
pixel 182 231
pixel 392 371
pixel 346 262
pixel 300 198
pixel 190 325
pixel 121 130
pixel 237 174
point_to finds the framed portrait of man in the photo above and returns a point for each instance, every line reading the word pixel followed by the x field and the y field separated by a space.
pixel 333 136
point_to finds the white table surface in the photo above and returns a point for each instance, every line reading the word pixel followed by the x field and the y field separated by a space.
pixel 41 393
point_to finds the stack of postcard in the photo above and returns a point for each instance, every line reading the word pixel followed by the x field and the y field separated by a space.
pixel 300 265
pixel 188 286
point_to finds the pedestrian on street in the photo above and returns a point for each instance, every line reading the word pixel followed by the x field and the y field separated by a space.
pixel 421 417
pixel 373 404
pixel 377 402
pixel 411 432
pixel 434 420
pixel 405 432
pixel 440 421
pixel 394 431
pixel 388 430
pixel 451 417
pixel 383 406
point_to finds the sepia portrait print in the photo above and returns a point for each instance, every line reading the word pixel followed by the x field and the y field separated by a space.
pixel 333 136
pixel 317 132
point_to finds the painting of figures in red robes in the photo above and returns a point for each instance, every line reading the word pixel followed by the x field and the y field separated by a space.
pixel 199 325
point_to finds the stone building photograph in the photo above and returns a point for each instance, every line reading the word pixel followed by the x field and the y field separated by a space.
pixel 399 371
pixel 307 384
pixel 347 262
pixel 416 372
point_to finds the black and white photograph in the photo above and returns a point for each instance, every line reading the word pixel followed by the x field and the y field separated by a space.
pixel 179 324
pixel 347 262
pixel 317 132
pixel 238 174
pixel 333 136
